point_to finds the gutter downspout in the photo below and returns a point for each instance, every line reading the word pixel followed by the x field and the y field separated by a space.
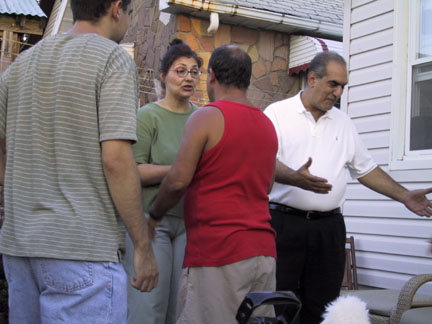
pixel 214 23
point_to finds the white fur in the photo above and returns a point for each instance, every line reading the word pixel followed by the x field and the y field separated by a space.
pixel 346 310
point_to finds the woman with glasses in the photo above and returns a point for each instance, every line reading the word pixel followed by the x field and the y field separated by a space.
pixel 159 133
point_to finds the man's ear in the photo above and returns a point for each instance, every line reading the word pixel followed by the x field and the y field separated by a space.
pixel 311 78
pixel 115 8
pixel 211 76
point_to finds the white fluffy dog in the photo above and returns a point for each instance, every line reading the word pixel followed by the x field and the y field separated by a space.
pixel 346 310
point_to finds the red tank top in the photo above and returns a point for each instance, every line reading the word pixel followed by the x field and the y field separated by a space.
pixel 226 204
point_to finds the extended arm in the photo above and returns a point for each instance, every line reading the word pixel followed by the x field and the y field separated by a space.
pixel 195 137
pixel 414 200
pixel 123 182
pixel 301 178
pixel 273 179
pixel 152 174
pixel 147 130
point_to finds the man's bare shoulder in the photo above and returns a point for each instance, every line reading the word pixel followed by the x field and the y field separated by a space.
pixel 209 110
pixel 206 123
pixel 207 115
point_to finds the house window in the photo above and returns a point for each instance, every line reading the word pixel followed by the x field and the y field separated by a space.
pixel 419 108
pixel 411 132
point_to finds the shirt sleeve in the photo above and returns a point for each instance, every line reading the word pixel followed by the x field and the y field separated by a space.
pixel 271 114
pixel 3 104
pixel 145 135
pixel 361 162
pixel 119 98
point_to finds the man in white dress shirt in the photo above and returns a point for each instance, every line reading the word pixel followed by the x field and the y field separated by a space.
pixel 305 205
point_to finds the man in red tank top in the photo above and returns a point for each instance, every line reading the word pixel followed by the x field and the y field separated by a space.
pixel 225 168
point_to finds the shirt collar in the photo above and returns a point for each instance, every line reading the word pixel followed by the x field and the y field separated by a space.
pixel 302 110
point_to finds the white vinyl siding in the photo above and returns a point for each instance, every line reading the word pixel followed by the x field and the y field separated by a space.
pixel 391 241
pixel 304 48
pixel 61 19
pixel 49 29
pixel 67 20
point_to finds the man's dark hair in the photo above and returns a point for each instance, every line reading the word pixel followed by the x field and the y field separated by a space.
pixel 320 61
pixel 231 66
pixel 176 50
pixel 92 10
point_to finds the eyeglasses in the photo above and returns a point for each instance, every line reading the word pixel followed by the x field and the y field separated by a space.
pixel 182 73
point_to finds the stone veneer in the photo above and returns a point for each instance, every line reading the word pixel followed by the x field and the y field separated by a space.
pixel 151 38
pixel 268 50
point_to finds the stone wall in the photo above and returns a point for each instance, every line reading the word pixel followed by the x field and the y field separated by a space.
pixel 151 37
pixel 269 52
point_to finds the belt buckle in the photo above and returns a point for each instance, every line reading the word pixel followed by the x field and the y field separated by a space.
pixel 308 214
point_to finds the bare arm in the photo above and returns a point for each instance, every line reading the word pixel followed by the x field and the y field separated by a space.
pixel 147 130
pixel 152 174
pixel 273 179
pixel 301 178
pixel 414 200
pixel 195 141
pixel 123 182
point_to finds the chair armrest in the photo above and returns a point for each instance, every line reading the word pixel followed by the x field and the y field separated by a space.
pixel 406 296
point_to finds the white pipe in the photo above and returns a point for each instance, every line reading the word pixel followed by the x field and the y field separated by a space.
pixel 214 23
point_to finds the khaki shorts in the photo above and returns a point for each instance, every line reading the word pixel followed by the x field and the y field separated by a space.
pixel 213 294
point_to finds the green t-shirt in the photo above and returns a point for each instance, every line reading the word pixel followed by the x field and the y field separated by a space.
pixel 159 134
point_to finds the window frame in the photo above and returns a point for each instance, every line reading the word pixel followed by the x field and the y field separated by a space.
pixel 404 60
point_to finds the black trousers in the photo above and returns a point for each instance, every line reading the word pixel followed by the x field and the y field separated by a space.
pixel 310 260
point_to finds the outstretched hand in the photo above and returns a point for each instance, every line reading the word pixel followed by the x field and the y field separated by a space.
pixel 417 202
pixel 307 181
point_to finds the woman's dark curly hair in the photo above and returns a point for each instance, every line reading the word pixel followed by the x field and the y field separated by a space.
pixel 176 50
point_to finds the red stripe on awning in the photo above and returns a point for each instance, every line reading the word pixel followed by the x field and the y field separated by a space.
pixel 323 44
pixel 298 69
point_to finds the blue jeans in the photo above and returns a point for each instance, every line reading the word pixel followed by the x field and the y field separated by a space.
pixel 46 291
pixel 159 306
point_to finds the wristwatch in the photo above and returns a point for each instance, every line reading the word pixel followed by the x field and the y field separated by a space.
pixel 152 215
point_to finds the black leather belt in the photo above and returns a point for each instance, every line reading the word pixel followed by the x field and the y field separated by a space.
pixel 308 214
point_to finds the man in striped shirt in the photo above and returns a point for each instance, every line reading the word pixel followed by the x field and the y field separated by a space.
pixel 67 119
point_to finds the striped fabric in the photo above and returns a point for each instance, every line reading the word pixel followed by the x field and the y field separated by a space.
pixel 58 101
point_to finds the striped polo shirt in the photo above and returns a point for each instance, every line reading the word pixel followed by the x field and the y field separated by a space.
pixel 58 102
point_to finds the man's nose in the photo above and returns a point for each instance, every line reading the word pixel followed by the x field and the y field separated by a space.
pixel 338 91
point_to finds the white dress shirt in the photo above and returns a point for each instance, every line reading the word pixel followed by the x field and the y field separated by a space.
pixel 332 142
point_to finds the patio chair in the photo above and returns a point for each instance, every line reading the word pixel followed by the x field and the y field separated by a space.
pixel 350 281
pixel 392 306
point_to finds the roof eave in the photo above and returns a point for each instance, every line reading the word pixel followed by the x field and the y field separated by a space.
pixel 28 8
pixel 273 21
